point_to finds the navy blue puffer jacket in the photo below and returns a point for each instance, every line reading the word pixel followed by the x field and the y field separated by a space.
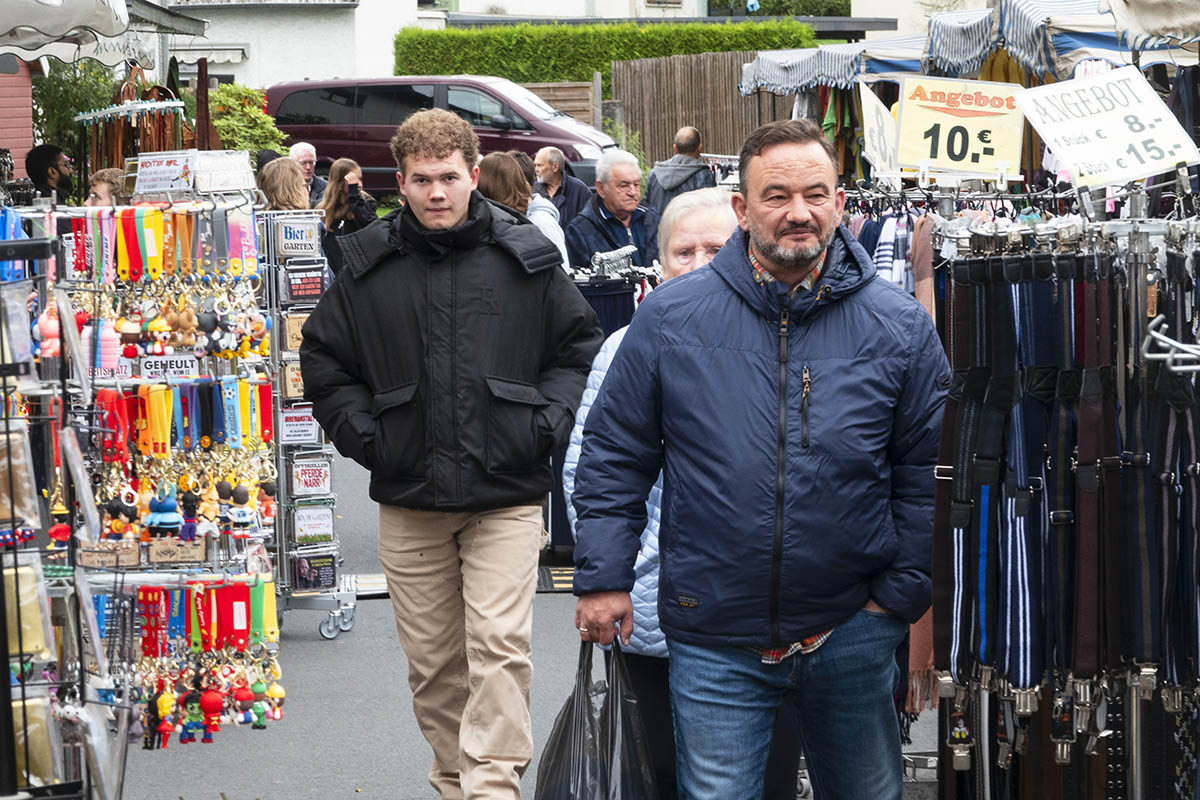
pixel 797 451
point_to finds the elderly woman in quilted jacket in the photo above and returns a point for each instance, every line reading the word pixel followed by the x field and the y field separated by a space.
pixel 692 230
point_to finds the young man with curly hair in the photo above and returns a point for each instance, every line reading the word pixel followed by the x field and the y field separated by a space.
pixel 448 358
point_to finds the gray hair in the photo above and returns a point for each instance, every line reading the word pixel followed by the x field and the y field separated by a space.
pixel 299 148
pixel 611 158
pixel 554 156
pixel 697 200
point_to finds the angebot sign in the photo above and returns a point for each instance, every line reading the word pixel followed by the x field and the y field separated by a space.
pixel 1108 129
pixel 950 125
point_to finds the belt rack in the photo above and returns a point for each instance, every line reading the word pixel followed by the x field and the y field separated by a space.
pixel 1065 639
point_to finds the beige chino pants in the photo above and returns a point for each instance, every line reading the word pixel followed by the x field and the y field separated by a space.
pixel 462 587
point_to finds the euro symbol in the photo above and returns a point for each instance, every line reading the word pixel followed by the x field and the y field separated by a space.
pixel 985 136
pixel 1100 133
pixel 1121 163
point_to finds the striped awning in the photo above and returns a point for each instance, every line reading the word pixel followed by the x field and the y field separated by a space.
pixel 836 65
pixel 1023 26
pixel 959 41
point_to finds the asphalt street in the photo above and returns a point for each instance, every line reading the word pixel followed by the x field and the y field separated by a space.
pixel 348 729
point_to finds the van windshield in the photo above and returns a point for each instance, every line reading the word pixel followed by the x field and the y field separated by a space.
pixel 530 101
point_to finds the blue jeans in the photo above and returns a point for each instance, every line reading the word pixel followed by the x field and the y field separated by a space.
pixel 724 701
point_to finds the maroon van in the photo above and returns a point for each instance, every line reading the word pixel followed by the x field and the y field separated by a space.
pixel 357 118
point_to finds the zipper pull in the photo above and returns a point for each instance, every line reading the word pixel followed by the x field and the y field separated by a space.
pixel 805 400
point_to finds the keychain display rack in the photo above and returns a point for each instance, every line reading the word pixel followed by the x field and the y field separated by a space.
pixel 306 543
pixel 135 568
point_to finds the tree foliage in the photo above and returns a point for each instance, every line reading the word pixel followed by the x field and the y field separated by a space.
pixel 546 53
pixel 237 114
pixel 68 90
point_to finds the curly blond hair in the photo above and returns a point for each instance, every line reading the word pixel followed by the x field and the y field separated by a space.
pixel 435 133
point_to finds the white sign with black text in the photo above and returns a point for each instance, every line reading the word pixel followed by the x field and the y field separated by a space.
pixel 298 426
pixel 1108 129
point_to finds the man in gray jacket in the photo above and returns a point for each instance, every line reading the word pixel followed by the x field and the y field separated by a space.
pixel 681 173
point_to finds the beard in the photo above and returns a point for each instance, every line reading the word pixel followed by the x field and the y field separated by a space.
pixel 65 185
pixel 790 258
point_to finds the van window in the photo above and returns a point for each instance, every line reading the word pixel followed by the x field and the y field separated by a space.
pixel 475 107
pixel 391 105
pixel 317 107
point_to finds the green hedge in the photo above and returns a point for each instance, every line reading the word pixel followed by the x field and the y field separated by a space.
pixel 544 53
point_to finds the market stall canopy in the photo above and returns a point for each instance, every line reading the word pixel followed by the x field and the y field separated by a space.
pixel 959 41
pixel 1076 39
pixel 108 31
pixel 1146 23
pixel 837 65
pixel 1044 36
pixel 29 24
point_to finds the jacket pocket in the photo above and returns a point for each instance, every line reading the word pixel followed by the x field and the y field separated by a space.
pixel 513 438
pixel 398 449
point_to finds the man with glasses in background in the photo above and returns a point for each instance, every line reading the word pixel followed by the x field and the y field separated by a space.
pixel 306 155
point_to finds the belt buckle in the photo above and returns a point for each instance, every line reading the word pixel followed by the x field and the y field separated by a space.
pixel 942 472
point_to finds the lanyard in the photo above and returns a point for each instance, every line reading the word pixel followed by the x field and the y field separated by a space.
pixel 160 411
pixel 218 413
pixel 184 231
pixel 79 227
pixel 142 421
pixel 168 242
pixel 257 601
pixel 189 396
pixel 207 428
pixel 266 416
pixel 247 404
pixel 233 616
pixel 176 617
pixel 151 228
pixel 220 238
pixel 232 412
pixel 179 427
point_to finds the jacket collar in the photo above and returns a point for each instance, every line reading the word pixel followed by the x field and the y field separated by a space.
pixel 374 244
pixel 847 269
pixel 604 214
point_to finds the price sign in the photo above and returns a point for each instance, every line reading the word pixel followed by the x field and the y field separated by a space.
pixel 1108 129
pixel 879 131
pixel 949 125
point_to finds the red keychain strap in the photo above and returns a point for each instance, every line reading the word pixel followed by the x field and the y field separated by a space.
pixel 233 616
pixel 266 412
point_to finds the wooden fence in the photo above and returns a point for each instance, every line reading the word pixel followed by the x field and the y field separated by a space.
pixel 660 95
pixel 576 99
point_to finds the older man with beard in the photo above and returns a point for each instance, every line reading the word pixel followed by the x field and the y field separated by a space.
pixel 793 402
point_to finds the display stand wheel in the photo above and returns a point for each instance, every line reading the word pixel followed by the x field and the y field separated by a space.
pixel 346 621
pixel 330 628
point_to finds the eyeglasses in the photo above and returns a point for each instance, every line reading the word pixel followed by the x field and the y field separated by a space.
pixel 308 162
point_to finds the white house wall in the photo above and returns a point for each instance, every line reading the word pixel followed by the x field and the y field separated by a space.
pixel 292 43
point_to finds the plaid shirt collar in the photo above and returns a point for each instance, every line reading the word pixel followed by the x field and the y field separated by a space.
pixel 808 282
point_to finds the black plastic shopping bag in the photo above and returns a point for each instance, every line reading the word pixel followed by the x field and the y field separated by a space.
pixel 597 749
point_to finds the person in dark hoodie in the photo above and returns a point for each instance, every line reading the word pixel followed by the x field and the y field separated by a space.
pixel 681 173
pixel 448 357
